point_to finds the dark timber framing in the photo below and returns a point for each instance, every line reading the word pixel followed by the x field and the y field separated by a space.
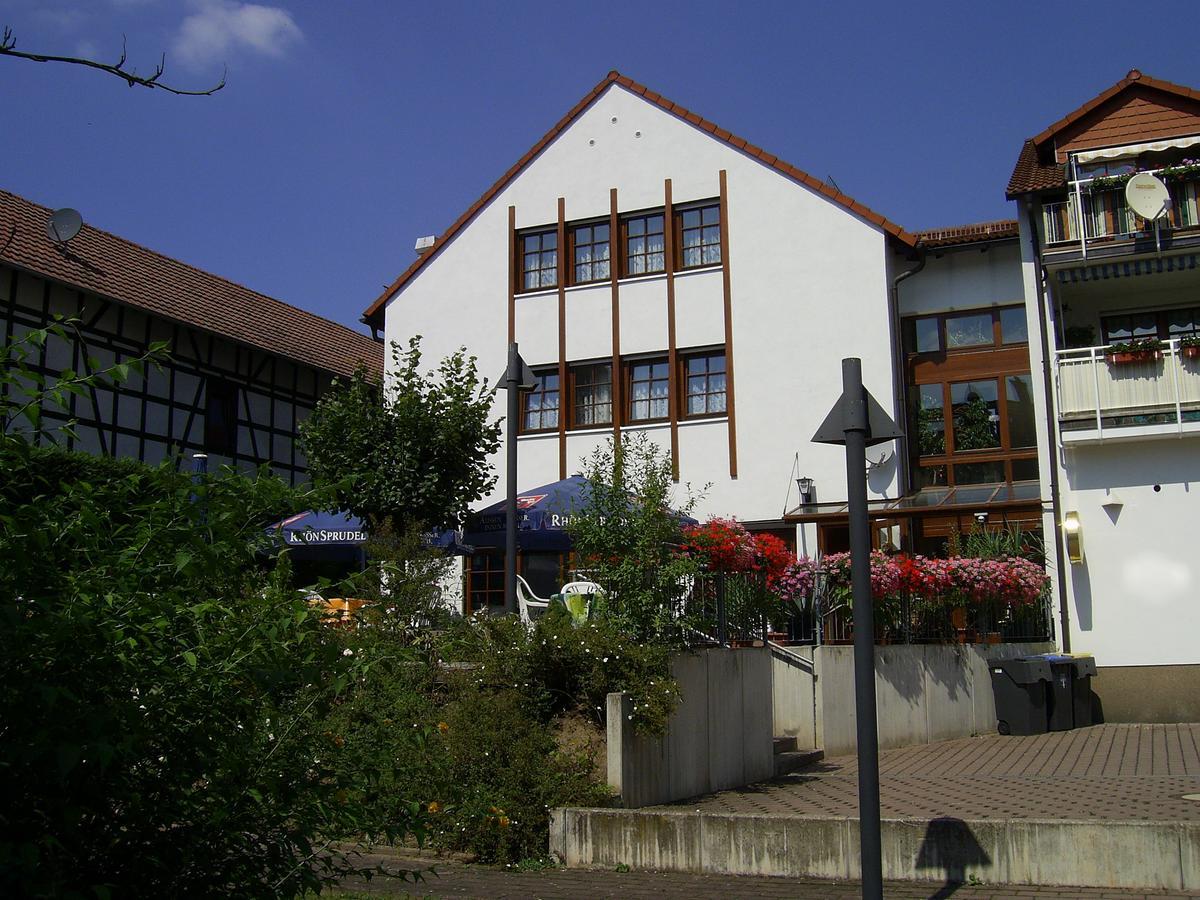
pixel 161 414
pixel 729 393
pixel 562 335
pixel 672 356
pixel 614 270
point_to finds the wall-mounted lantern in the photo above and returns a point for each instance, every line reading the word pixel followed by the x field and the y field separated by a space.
pixel 1073 529
pixel 804 484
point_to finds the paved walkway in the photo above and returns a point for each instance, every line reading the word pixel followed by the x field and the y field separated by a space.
pixel 1106 772
pixel 486 883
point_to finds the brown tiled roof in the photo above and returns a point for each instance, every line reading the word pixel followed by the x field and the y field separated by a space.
pixel 1031 174
pixel 128 273
pixel 615 77
pixel 1037 169
pixel 969 234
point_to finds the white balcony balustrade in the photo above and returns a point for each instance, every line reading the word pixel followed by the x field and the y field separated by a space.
pixel 1104 396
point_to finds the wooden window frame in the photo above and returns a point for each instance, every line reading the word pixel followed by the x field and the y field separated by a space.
pixel 573 375
pixel 628 382
pixel 495 565
pixel 685 376
pixel 573 243
pixel 950 365
pixel 519 263
pixel 541 391
pixel 701 207
pixel 624 248
pixel 944 349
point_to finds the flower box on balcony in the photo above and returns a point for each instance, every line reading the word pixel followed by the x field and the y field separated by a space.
pixel 1129 357
pixel 1191 352
pixel 1139 351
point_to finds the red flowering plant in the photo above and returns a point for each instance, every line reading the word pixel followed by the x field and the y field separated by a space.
pixel 724 544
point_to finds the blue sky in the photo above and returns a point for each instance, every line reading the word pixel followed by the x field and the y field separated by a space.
pixel 350 127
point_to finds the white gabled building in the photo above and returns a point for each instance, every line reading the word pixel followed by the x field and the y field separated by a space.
pixel 1120 431
pixel 660 274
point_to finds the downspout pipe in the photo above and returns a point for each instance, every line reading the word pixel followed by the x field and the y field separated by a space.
pixel 900 374
pixel 1064 610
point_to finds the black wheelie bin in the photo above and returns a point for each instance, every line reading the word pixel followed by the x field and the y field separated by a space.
pixel 1021 686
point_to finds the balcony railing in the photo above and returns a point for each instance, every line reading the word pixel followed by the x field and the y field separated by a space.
pixel 1105 214
pixel 1102 391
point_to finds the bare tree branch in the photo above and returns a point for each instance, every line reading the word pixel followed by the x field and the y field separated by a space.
pixel 8 46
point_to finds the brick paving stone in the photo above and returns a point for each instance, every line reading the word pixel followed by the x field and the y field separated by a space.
pixel 457 879
pixel 1104 773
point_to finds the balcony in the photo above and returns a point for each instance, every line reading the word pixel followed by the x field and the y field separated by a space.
pixel 1102 397
pixel 1106 218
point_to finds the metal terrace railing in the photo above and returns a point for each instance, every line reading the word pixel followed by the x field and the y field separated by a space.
pixel 738 609
pixel 1100 390
pixel 1103 214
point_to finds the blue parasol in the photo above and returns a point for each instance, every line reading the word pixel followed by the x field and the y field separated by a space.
pixel 544 515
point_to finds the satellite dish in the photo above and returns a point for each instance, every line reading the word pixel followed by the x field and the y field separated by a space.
pixel 64 224
pixel 1147 196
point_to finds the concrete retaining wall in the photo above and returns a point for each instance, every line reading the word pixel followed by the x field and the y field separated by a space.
pixel 718 738
pixel 1159 855
pixel 924 692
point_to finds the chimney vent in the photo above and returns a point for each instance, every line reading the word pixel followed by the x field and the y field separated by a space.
pixel 425 244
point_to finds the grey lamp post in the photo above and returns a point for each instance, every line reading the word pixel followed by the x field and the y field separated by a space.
pixel 857 421
pixel 518 377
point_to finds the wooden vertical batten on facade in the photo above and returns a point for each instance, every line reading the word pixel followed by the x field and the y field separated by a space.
pixel 563 396
pixel 729 395
pixel 672 356
pixel 613 267
pixel 513 274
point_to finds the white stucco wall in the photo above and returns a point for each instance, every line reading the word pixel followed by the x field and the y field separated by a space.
pixel 809 286
pixel 967 277
pixel 1132 602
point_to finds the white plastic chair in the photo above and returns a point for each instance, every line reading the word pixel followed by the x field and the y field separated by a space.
pixel 587 589
pixel 528 602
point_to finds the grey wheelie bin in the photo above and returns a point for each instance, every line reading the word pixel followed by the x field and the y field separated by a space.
pixel 1020 686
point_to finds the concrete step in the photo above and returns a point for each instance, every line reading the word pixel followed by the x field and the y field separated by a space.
pixel 795 760
pixel 784 744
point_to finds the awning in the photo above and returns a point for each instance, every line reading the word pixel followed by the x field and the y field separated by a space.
pixel 930 500
pixel 1136 149
pixel 1127 269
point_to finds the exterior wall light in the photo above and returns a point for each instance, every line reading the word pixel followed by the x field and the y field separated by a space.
pixel 1074 532
pixel 804 484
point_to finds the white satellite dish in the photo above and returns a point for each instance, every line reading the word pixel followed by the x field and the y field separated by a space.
pixel 1147 196
pixel 64 224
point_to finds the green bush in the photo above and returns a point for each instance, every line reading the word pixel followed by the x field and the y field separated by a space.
pixel 163 698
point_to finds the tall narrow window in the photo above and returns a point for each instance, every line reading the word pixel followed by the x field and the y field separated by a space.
pixel 593 395
pixel 541 405
pixel 220 417
pixel 591 253
pixel 699 236
pixel 539 260
pixel 649 389
pixel 705 385
pixel 644 244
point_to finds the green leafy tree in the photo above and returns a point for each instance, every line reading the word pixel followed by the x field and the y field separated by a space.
pixel 628 536
pixel 163 690
pixel 415 452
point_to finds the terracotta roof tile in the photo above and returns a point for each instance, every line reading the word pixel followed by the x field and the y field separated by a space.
pixel 970 234
pixel 373 312
pixel 1037 169
pixel 128 273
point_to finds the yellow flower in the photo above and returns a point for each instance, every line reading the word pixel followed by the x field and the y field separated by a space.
pixel 443 727
pixel 433 806
pixel 504 821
